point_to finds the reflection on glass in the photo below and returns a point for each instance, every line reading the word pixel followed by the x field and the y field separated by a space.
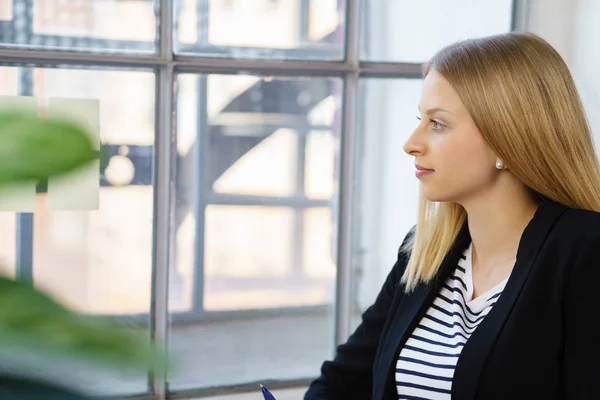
pixel 98 26
pixel 321 149
pixel 268 169
pixel 254 275
pixel 255 187
pixel 261 28
pixel 412 31
pixel 97 262
pixel 5 10
pixel 319 246
pixel 106 280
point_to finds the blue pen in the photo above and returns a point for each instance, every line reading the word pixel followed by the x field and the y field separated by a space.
pixel 266 394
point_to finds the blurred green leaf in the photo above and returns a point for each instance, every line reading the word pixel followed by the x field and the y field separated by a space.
pixel 31 322
pixel 37 149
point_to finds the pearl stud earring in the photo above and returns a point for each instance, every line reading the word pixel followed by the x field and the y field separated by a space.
pixel 499 165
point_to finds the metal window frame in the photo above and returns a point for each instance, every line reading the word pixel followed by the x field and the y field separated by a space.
pixel 166 66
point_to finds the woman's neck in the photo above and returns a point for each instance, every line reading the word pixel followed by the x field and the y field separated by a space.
pixel 496 222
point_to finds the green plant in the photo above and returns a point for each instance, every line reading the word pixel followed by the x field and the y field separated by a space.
pixel 31 322
pixel 36 149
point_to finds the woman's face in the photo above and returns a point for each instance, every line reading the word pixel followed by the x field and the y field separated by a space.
pixel 452 160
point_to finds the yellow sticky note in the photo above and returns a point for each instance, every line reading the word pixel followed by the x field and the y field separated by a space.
pixel 78 190
pixel 18 197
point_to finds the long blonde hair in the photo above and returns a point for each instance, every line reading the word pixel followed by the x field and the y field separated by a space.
pixel 522 98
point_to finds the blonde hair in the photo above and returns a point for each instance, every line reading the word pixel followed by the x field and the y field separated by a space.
pixel 522 98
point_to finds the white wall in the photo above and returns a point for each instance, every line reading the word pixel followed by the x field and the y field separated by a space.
pixel 387 196
pixel 409 31
pixel 571 26
pixel 388 193
pixel 585 60
pixel 554 20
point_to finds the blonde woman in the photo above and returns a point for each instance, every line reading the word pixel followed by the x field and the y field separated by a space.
pixel 496 291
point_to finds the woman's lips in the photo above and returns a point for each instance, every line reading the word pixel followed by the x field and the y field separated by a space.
pixel 422 171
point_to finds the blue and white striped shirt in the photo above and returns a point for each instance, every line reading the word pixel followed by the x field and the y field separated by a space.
pixel 427 361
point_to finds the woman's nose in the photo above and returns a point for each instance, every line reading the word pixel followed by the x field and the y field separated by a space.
pixel 414 146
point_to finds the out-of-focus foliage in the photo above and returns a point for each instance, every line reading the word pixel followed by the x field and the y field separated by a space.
pixel 33 149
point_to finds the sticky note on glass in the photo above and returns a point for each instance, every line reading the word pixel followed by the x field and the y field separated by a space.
pixel 18 197
pixel 78 190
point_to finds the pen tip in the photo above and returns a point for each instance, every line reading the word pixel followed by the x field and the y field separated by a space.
pixel 261 386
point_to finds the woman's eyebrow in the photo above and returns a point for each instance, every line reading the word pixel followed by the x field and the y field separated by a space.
pixel 436 109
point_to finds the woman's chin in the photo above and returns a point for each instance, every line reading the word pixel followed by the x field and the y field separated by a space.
pixel 436 197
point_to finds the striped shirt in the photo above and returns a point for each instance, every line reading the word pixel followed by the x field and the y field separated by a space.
pixel 426 363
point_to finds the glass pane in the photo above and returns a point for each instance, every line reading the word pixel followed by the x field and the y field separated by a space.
pixel 243 279
pixel 412 31
pixel 98 261
pixel 89 25
pixel 5 10
pixel 319 244
pixel 279 29
pixel 320 166
pixel 255 253
pixel 265 169
pixel 388 198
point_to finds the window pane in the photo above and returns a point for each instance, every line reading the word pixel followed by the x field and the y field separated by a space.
pixel 243 279
pixel 279 29
pixel 388 197
pixel 89 25
pixel 412 31
pixel 255 253
pixel 319 243
pixel 321 157
pixel 5 10
pixel 100 261
pixel 268 169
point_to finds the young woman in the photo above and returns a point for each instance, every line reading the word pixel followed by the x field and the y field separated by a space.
pixel 496 290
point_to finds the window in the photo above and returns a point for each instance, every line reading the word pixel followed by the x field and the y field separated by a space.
pixel 82 25
pixel 290 29
pixel 411 31
pixel 236 167
pixel 97 262
pixel 388 200
pixel 255 231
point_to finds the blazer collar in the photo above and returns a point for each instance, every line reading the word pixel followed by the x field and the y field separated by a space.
pixel 413 306
pixel 474 355
pixel 411 309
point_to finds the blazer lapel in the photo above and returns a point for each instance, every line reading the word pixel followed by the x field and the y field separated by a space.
pixel 475 353
pixel 407 315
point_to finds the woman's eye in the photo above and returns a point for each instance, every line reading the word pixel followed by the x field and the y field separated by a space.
pixel 435 124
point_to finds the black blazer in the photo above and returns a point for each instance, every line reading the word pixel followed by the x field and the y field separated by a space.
pixel 540 341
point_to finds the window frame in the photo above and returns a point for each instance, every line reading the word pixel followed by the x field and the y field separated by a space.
pixel 167 65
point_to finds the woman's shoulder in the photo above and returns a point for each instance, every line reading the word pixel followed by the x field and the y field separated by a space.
pixel 577 230
pixel 578 243
pixel 579 223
